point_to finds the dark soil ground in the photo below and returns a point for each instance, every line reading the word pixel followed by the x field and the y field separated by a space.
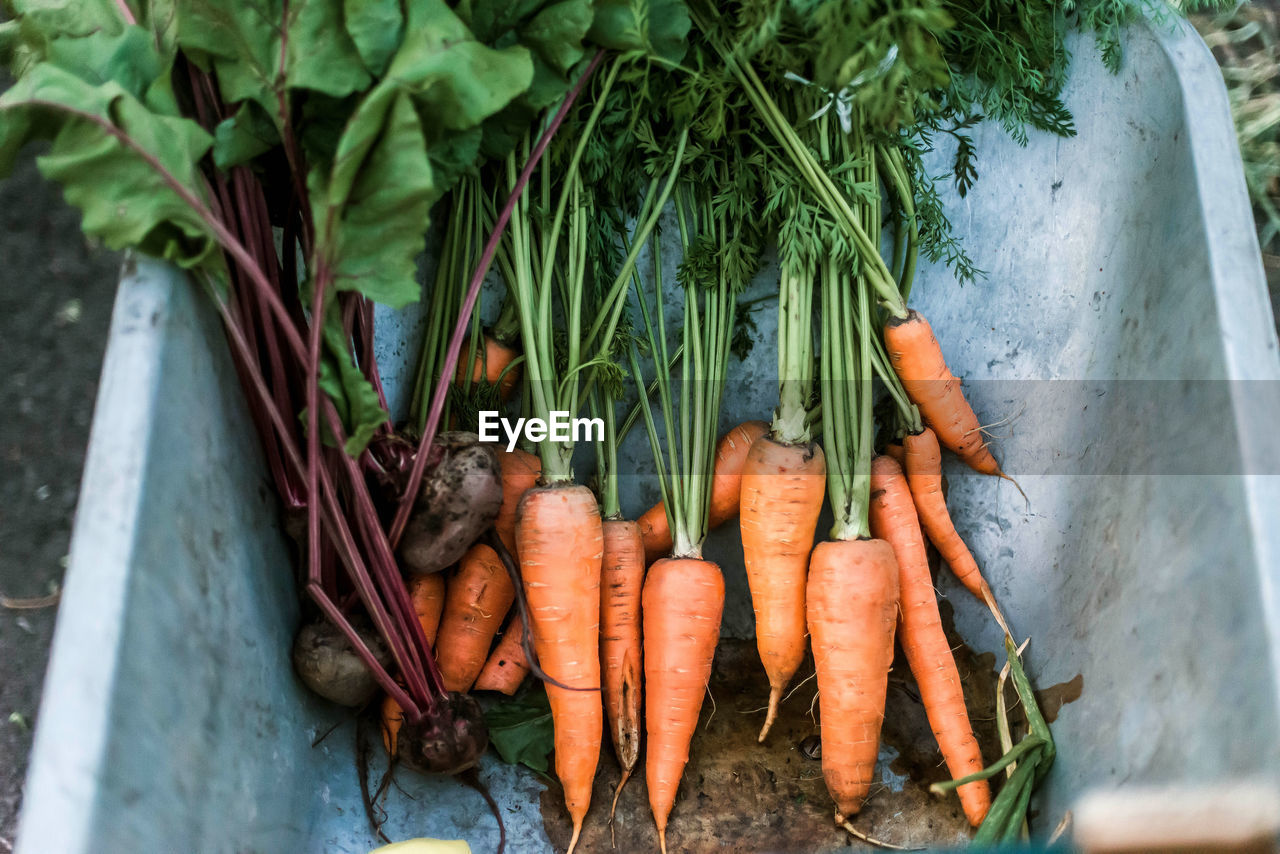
pixel 55 304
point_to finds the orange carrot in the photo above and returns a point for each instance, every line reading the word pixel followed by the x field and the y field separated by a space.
pixel 918 362
pixel 520 473
pixel 782 490
pixel 392 720
pixel 893 518
pixel 507 665
pixel 731 454
pixel 491 360
pixel 476 602
pixel 896 450
pixel 561 544
pixel 426 592
pixel 683 601
pixel 924 475
pixel 852 604
pixel 621 653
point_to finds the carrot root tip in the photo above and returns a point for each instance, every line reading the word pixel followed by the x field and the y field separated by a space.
pixel 573 841
pixel 775 699
pixel 842 821
pixel 626 775
pixel 662 840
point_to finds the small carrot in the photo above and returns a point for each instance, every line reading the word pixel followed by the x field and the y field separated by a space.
pixel 476 602
pixel 917 360
pixel 507 665
pixel 520 473
pixel 726 486
pixel 893 518
pixel 561 544
pixel 426 592
pixel 924 475
pixel 852 605
pixel 621 653
pixel 489 365
pixel 683 602
pixel 782 490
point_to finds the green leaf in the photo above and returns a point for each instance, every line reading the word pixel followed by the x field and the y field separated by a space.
pixel 448 71
pixel 124 199
pixel 350 390
pixel 128 57
pixel 375 27
pixel 658 28
pixel 521 731
pixel 556 33
pixel 240 138
pixel 240 40
pixel 372 207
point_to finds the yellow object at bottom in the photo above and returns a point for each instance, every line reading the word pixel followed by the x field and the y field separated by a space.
pixel 425 846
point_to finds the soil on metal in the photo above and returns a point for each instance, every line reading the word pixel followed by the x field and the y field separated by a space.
pixel 740 796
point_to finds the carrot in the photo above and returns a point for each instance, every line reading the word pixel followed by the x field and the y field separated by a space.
pixel 476 602
pixel 683 602
pixel 426 592
pixel 896 450
pixel 520 473
pixel 917 360
pixel 893 518
pixel 507 665
pixel 621 653
pixel 731 454
pixel 561 545
pixel 782 491
pixel 924 476
pixel 490 362
pixel 852 605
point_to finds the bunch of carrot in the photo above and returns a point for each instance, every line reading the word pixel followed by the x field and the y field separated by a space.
pixel 621 618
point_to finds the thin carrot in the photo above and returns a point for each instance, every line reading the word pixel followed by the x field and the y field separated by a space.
pixel 426 592
pixel 852 604
pixel 893 518
pixel 507 665
pixel 392 720
pixel 621 652
pixel 924 475
pixel 561 545
pixel 726 486
pixel 520 473
pixel 476 602
pixel 490 365
pixel 782 491
pixel 917 359
pixel 683 603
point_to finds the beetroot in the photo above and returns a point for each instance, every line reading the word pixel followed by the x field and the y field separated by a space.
pixel 327 663
pixel 457 503
pixel 447 742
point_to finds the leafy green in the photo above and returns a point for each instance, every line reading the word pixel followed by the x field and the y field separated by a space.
pixel 371 208
pixel 241 41
pixel 521 730
pixel 240 138
pixel 352 394
pixel 99 133
pixel 375 27
pixel 657 28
